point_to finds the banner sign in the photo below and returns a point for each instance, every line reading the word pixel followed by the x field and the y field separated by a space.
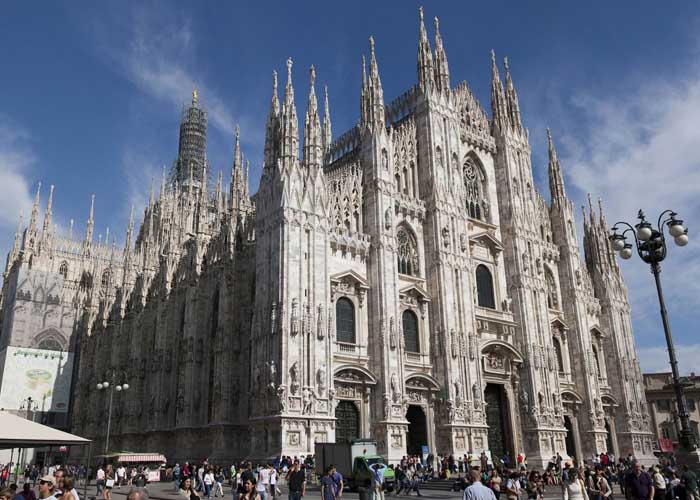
pixel 41 374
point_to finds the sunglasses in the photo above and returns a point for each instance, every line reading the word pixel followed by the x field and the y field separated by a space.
pixel 44 482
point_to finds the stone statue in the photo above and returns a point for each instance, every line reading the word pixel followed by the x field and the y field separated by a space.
pixel 321 379
pixel 295 317
pixel 282 398
pixel 273 373
pixel 395 389
pixel 392 334
pixel 307 399
pixel 294 378
pixel 320 322
pixel 476 393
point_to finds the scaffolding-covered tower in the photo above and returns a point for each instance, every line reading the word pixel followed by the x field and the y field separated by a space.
pixel 193 145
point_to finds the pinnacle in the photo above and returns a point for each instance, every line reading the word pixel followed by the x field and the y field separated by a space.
pixel 289 71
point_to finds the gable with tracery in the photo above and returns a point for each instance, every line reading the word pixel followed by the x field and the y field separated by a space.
pixel 405 174
pixel 344 185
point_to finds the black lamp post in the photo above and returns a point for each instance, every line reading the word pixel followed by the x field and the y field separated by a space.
pixel 651 247
pixel 111 387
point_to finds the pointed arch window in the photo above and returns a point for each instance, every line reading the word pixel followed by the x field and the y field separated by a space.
pixel 345 320
pixel 484 287
pixel 105 278
pixel 475 189
pixel 407 252
pixel 552 294
pixel 50 344
pixel 596 359
pixel 410 331
pixel 559 354
pixel 63 269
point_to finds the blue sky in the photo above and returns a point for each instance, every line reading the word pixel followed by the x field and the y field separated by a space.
pixel 92 93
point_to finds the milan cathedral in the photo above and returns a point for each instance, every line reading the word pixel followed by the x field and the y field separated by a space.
pixel 404 282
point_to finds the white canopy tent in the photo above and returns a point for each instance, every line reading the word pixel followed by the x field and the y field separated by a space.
pixel 17 432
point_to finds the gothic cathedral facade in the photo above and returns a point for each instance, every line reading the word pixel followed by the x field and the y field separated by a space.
pixel 405 282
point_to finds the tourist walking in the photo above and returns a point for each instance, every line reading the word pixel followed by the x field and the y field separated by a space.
pixel 46 485
pixel 478 491
pixel 187 491
pixel 573 486
pixel 638 484
pixel 328 485
pixel 177 472
pixel 378 481
pixel 296 482
pixel 249 492
pixel 208 481
pixel 100 481
pixel 690 482
pixel 109 482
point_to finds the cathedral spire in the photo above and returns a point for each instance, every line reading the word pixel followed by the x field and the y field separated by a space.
pixel 498 100
pixel 237 177
pixel 512 104
pixel 162 185
pixel 289 139
pixel 129 231
pixel 91 222
pixel 46 231
pixel 374 95
pixel 219 181
pixel 556 179
pixel 33 220
pixel 272 125
pixel 312 128
pixel 16 246
pixel 246 183
pixel 151 195
pixel 425 57
pixel 363 94
pixel 442 70
pixel 326 121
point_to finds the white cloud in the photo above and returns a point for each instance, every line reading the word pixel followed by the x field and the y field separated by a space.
pixel 16 160
pixel 160 59
pixel 655 359
pixel 641 150
pixel 140 172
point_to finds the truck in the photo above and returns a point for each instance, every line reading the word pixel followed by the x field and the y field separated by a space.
pixel 353 460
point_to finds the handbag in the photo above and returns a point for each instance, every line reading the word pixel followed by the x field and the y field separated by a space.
pixel 110 483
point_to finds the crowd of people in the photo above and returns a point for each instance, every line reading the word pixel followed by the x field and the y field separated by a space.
pixel 595 479
pixel 479 476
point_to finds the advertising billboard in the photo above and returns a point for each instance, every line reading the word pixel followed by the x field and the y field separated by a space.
pixel 43 375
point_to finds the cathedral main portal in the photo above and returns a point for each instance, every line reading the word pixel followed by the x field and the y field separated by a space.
pixel 347 422
pixel 497 415
pixel 417 430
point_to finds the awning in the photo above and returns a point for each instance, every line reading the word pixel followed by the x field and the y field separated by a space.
pixel 141 457
pixel 17 432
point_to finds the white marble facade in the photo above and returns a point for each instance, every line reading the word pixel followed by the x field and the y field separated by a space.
pixel 405 282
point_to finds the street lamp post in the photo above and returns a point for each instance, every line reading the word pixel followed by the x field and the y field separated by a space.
pixel 651 247
pixel 111 386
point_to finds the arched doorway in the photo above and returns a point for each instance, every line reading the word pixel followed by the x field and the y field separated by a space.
pixel 417 430
pixel 608 437
pixel 570 442
pixel 347 425
pixel 497 417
